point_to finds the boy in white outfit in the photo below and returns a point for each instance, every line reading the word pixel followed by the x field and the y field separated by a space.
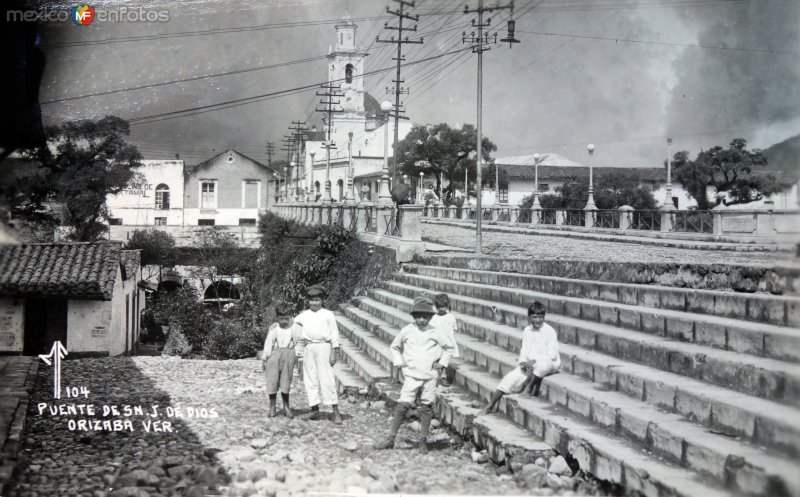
pixel 420 350
pixel 538 358
pixel 321 338
pixel 279 356
pixel 445 321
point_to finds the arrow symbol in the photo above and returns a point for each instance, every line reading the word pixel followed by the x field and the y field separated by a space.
pixel 57 352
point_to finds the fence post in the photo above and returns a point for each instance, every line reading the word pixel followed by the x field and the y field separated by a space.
pixel 451 211
pixel 411 229
pixel 560 217
pixel 667 219
pixel 465 208
pixel 590 213
pixel 536 215
pixel 717 221
pixel 625 217
pixel 495 213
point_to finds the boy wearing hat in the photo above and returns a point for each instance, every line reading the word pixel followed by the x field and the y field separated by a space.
pixel 420 350
pixel 321 338
pixel 538 357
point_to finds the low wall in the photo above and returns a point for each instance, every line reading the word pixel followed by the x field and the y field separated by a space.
pixel 775 280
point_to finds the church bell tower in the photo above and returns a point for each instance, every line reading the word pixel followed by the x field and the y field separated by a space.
pixel 346 69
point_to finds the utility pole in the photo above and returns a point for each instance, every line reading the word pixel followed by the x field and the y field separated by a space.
pixel 398 90
pixel 330 92
pixel 298 129
pixel 270 151
pixel 480 44
pixel 288 145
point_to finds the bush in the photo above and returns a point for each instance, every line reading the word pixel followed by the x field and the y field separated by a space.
pixel 234 340
pixel 184 309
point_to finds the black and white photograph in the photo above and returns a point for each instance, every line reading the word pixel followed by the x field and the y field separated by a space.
pixel 288 248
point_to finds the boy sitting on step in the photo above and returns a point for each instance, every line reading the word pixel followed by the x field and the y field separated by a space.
pixel 445 321
pixel 538 357
pixel 420 350
pixel 279 357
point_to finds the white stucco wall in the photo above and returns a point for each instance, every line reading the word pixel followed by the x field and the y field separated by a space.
pixel 137 206
pixel 12 325
pixel 98 326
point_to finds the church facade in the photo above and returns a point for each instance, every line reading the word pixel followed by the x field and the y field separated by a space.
pixel 359 128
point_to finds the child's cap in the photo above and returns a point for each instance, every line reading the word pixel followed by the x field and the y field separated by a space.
pixel 315 291
pixel 423 305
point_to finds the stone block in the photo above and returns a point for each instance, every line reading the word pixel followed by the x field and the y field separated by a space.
pixel 727 418
pixel 579 404
pixel 663 440
pixel 630 385
pixel 782 347
pixel 555 437
pixel 682 364
pixel 649 297
pixel 699 302
pixel 589 312
pixel 630 319
pixel 633 426
pixel 659 393
pixel 606 376
pixel 765 310
pixel 741 377
pixel 554 306
pixel 535 425
pixel 607 466
pixel 653 323
pixel 673 299
pixel 693 407
pixel 608 315
pixel 655 358
pixel 793 313
pixel 746 341
pixel 572 308
pixel 628 295
pixel 712 334
pixel 582 368
pixel 754 481
pixel 630 350
pixel 608 292
pixel 557 394
pixel 585 337
pixel 778 434
pixel 606 344
pixel 604 415
pixel 729 305
pixel 705 460
pixel 566 333
pixel 679 329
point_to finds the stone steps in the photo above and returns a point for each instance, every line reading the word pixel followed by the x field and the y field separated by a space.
pixel 503 440
pixel 757 420
pixel 600 453
pixel 757 307
pixel 762 376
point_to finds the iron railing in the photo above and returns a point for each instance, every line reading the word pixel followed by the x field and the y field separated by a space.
pixel 693 222
pixel 369 221
pixel 339 215
pixel 353 218
pixel 523 216
pixel 504 214
pixel 486 213
pixel 575 217
pixel 646 220
pixel 606 219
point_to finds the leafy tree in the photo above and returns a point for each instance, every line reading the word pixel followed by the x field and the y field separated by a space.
pixel 82 162
pixel 435 149
pixel 613 188
pixel 734 171
pixel 158 247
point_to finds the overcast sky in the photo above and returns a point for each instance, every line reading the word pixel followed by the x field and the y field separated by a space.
pixel 621 74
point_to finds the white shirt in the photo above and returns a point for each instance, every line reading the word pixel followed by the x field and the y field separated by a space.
pixel 419 349
pixel 281 338
pixel 539 344
pixel 449 326
pixel 319 326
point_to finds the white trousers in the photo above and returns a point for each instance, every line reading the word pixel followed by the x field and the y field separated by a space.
pixel 318 378
pixel 515 379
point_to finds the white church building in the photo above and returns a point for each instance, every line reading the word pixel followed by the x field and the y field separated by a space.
pixel 361 115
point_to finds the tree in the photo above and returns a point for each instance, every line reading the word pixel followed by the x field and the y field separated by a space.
pixel 435 149
pixel 736 172
pixel 158 248
pixel 82 162
pixel 613 188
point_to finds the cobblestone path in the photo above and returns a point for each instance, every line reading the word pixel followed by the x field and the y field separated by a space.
pixel 239 451
pixel 560 247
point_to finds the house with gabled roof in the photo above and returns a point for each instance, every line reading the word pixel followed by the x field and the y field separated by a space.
pixel 84 295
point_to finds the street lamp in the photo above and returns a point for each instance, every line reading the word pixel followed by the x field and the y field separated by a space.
pixel 536 204
pixel 421 176
pixel 385 196
pixel 668 204
pixel 313 187
pixel 590 203
pixel 350 196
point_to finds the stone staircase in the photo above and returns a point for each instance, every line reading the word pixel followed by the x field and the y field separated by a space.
pixel 664 390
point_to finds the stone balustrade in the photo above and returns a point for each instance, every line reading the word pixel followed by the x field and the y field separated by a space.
pixel 748 225
pixel 381 224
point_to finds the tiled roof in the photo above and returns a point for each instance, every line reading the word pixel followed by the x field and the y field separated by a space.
pixel 187 168
pixel 131 260
pixel 546 159
pixel 70 270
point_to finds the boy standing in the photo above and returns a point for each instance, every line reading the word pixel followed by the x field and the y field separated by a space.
pixel 446 322
pixel 420 350
pixel 538 358
pixel 279 357
pixel 321 337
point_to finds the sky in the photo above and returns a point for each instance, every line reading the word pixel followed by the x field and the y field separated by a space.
pixel 621 74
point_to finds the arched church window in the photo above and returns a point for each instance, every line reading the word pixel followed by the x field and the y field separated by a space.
pixel 348 73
